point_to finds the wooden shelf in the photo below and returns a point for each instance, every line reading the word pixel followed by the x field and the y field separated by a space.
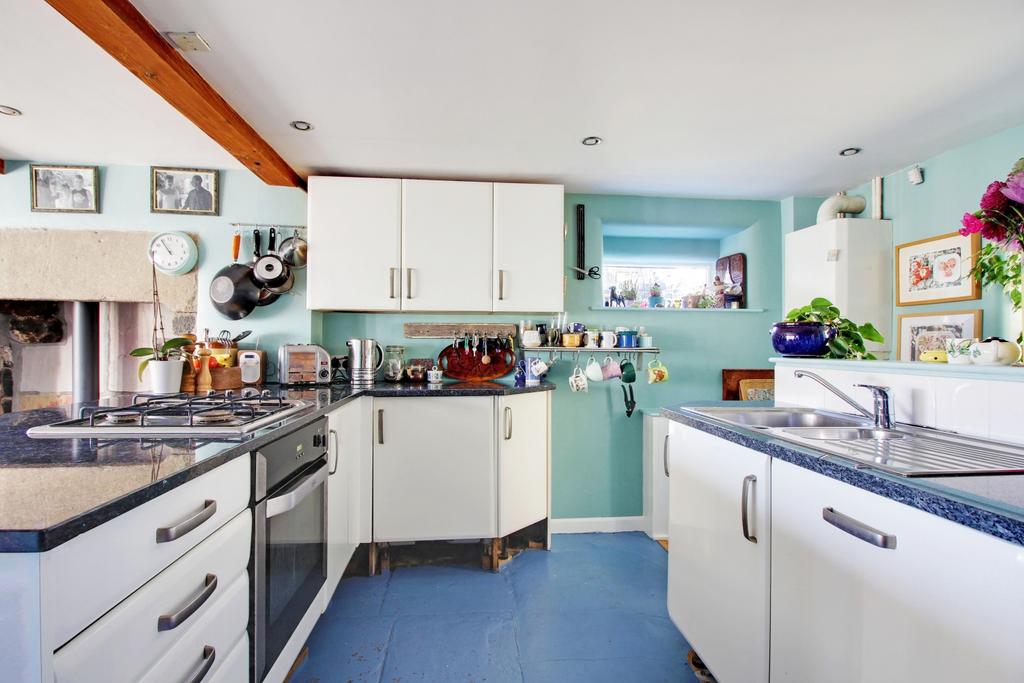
pixel 586 349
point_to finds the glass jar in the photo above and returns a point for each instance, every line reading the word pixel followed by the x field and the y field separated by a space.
pixel 394 362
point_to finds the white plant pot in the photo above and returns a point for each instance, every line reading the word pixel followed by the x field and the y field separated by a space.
pixel 165 376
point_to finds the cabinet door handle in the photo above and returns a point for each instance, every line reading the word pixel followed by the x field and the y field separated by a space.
pixel 858 529
pixel 209 654
pixel 664 455
pixel 391 282
pixel 169 622
pixel 171 533
pixel 508 423
pixel 334 443
pixel 748 483
pixel 380 426
pixel 408 283
pixel 501 285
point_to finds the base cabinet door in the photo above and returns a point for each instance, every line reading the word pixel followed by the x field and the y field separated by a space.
pixel 719 552
pixel 433 468
pixel 346 430
pixel 522 461
pixel 865 589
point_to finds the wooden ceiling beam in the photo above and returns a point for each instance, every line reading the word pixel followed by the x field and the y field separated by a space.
pixel 2 165
pixel 121 30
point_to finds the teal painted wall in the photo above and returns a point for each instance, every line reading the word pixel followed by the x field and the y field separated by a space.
pixel 654 251
pixel 596 450
pixel 124 202
pixel 954 182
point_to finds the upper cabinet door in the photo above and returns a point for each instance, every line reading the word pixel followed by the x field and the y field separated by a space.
pixel 528 243
pixel 446 245
pixel 355 230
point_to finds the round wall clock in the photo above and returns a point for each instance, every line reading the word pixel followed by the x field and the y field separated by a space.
pixel 174 253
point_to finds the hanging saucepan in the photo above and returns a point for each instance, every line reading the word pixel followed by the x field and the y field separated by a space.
pixel 271 271
pixel 293 251
pixel 267 297
pixel 233 290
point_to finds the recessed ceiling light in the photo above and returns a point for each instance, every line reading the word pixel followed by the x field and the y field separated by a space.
pixel 849 151
pixel 301 125
pixel 9 111
pixel 591 141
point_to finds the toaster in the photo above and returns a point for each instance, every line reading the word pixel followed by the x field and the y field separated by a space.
pixel 303 364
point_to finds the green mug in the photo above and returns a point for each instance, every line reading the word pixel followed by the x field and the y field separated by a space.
pixel 628 372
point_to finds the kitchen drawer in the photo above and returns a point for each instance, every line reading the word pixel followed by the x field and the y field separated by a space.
pixel 126 641
pixel 87 576
pixel 214 636
pixel 235 668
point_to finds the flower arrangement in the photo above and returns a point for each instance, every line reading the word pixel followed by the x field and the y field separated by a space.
pixel 1000 220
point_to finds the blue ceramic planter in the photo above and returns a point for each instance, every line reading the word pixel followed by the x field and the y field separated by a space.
pixel 806 339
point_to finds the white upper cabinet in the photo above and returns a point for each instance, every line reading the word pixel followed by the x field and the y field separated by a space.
pixel 379 244
pixel 528 246
pixel 446 245
pixel 355 238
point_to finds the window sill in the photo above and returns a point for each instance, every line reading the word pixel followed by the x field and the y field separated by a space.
pixel 676 310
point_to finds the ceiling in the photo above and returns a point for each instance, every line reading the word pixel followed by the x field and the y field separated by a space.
pixel 735 98
pixel 80 106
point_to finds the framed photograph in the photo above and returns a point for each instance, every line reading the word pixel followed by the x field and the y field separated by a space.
pixel 65 189
pixel 920 332
pixel 184 190
pixel 937 269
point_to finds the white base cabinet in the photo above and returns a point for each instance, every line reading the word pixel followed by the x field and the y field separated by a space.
pixel 719 537
pixel 945 605
pixel 433 468
pixel 522 460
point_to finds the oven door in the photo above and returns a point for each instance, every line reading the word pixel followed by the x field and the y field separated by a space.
pixel 289 560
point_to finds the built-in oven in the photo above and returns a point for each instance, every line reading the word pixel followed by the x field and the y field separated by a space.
pixel 289 559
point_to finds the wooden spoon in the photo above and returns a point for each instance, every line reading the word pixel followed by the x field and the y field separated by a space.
pixel 486 360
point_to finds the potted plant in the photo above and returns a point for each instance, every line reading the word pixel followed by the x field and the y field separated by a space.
pixel 654 299
pixel 1000 220
pixel 166 363
pixel 819 329
pixel 628 290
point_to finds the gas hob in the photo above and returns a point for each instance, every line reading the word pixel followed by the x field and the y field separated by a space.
pixel 215 415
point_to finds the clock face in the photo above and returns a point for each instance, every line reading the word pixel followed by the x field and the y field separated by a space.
pixel 174 253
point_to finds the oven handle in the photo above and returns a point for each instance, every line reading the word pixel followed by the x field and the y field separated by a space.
pixel 297 492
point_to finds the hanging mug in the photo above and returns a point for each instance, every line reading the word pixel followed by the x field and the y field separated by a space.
pixel 578 380
pixel 540 367
pixel 656 372
pixel 610 368
pixel 628 371
pixel 594 371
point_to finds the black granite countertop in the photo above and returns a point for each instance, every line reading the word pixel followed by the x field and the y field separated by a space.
pixel 991 504
pixel 52 490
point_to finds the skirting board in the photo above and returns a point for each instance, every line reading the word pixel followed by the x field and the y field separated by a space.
pixel 587 525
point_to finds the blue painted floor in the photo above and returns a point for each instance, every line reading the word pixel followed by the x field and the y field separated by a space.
pixel 590 610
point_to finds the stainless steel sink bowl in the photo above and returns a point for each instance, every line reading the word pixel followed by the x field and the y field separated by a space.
pixel 774 418
pixel 843 433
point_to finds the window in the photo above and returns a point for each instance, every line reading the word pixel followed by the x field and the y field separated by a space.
pixel 634 283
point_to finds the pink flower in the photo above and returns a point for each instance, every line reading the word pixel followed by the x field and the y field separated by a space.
pixel 994 199
pixel 971 223
pixel 1013 245
pixel 1014 188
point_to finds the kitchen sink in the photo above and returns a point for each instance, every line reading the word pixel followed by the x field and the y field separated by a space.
pixel 774 418
pixel 843 433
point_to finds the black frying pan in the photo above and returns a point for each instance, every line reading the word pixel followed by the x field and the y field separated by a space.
pixel 233 290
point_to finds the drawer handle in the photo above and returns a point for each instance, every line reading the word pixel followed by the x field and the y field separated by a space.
pixel 209 654
pixel 748 483
pixel 858 529
pixel 171 533
pixel 169 622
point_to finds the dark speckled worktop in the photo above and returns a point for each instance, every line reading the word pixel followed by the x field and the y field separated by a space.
pixel 990 504
pixel 52 490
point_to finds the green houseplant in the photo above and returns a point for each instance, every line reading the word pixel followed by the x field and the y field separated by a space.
pixel 846 339
pixel 167 363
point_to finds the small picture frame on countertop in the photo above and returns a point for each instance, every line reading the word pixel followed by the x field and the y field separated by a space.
pixel 919 332
pixel 65 189
pixel 191 191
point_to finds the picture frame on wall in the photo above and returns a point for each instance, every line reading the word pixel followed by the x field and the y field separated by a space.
pixel 937 270
pixel 920 332
pixel 192 191
pixel 65 189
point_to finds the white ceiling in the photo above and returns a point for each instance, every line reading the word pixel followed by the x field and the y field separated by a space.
pixel 734 98
pixel 81 106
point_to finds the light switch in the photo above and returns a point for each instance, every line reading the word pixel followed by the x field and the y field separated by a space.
pixel 833 255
